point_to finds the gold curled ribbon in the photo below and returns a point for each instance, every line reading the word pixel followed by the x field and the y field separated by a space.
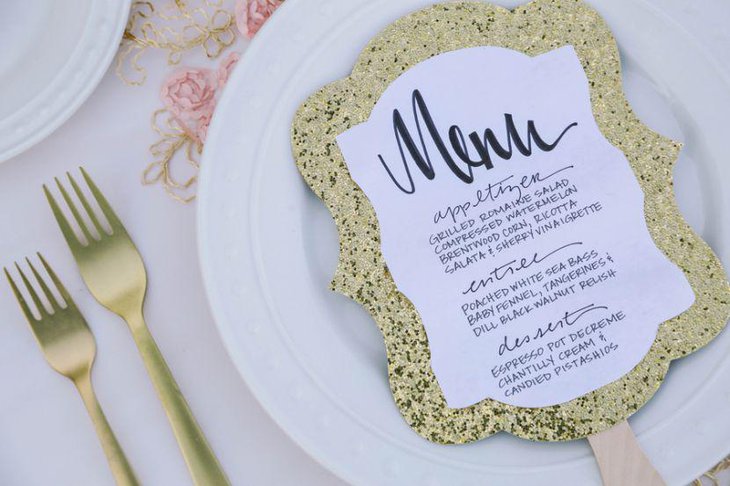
pixel 175 27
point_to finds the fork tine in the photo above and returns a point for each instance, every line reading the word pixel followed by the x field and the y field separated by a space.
pixel 19 297
pixel 44 286
pixel 106 208
pixel 56 281
pixel 73 241
pixel 85 204
pixel 33 294
pixel 74 211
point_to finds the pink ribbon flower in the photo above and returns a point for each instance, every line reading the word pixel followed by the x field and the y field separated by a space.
pixel 226 67
pixel 189 94
pixel 251 14
pixel 201 131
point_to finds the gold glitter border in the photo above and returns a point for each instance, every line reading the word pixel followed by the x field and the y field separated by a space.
pixel 362 275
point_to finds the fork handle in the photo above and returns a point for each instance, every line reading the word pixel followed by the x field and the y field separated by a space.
pixel 199 457
pixel 121 470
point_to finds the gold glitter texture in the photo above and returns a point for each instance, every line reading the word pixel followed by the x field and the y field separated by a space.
pixel 362 275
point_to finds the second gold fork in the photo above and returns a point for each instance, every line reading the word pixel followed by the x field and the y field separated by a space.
pixel 69 347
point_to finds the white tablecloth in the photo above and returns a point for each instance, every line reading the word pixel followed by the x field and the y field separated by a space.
pixel 46 437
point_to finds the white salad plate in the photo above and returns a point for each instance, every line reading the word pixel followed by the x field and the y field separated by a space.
pixel 53 55
pixel 316 360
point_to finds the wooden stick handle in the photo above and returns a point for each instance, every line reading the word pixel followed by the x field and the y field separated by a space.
pixel 621 460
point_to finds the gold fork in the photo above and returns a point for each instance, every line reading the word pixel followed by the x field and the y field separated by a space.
pixel 69 347
pixel 113 270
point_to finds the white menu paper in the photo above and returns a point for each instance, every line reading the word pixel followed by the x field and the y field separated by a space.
pixel 515 228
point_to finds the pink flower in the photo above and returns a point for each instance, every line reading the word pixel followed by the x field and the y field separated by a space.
pixel 201 131
pixel 251 14
pixel 226 67
pixel 190 93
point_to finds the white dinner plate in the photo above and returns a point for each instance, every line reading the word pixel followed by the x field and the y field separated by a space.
pixel 316 360
pixel 53 55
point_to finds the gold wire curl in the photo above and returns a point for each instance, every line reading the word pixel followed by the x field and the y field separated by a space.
pixel 177 27
pixel 712 473
pixel 173 140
